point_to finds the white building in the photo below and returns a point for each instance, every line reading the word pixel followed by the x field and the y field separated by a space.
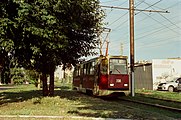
pixel 149 75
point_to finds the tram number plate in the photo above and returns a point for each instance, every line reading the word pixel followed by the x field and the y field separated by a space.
pixel 118 80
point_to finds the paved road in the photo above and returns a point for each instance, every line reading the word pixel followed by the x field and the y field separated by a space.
pixel 5 87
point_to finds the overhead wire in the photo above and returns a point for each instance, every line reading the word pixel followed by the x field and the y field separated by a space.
pixel 123 16
pixel 160 8
pixel 164 17
pixel 156 32
pixel 148 6
pixel 110 1
pixel 136 14
pixel 150 33
pixel 153 32
pixel 163 41
pixel 118 5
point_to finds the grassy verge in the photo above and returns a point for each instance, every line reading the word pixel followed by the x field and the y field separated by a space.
pixel 163 95
pixel 27 100
pixel 172 99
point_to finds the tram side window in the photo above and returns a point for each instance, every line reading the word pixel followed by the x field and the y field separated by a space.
pixel 88 68
pixel 84 69
pixel 77 71
pixel 92 65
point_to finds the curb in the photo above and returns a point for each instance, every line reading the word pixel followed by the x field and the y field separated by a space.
pixel 56 117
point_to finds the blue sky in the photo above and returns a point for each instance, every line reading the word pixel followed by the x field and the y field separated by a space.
pixel 157 35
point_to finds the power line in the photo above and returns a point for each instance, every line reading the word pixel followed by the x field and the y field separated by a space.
pixel 146 27
pixel 160 29
pixel 163 41
pixel 123 21
pixel 172 6
pixel 135 14
pixel 149 16
pixel 153 32
pixel 149 6
pixel 110 1
pixel 118 19
pixel 163 24
pixel 154 6
pixel 118 5
pixel 155 44
pixel 164 16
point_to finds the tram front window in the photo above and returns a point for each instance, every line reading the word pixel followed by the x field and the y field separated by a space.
pixel 118 66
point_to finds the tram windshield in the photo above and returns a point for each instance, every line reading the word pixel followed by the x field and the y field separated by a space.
pixel 118 66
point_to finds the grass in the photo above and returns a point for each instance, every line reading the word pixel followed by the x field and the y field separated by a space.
pixel 28 100
pixel 172 96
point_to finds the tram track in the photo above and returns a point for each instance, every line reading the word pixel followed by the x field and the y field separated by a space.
pixel 152 105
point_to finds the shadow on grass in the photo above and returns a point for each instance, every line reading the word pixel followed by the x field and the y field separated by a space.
pixel 90 103
pixel 86 106
pixel 9 97
pixel 98 107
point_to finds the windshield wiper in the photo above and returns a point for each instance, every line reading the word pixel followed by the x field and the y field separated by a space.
pixel 118 71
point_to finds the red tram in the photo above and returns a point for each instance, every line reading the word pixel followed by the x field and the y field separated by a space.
pixel 102 76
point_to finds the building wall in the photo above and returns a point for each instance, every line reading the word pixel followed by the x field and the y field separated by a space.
pixel 149 75
pixel 143 77
pixel 63 75
pixel 59 73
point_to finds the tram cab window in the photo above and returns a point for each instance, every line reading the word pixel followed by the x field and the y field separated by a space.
pixel 118 66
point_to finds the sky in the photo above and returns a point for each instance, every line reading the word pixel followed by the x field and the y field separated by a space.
pixel 156 35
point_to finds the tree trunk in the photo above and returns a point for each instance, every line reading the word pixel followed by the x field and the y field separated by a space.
pixel 45 87
pixel 39 82
pixel 2 77
pixel 51 85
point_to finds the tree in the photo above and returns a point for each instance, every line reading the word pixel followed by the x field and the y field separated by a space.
pixel 48 33
pixel 8 13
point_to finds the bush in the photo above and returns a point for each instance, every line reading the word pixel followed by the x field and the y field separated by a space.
pixel 20 76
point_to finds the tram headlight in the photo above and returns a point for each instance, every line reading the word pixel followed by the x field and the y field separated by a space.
pixel 112 85
pixel 126 85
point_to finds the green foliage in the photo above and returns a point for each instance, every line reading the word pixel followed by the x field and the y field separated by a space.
pixel 49 32
pixel 32 76
pixel 20 76
pixel 56 32
pixel 41 34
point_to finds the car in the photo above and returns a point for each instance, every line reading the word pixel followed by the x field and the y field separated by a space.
pixel 173 85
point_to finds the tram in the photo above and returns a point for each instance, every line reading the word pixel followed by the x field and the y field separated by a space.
pixel 102 76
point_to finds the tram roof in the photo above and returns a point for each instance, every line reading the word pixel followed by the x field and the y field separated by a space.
pixel 109 56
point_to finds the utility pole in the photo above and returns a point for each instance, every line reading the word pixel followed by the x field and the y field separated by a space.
pixel 131 16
